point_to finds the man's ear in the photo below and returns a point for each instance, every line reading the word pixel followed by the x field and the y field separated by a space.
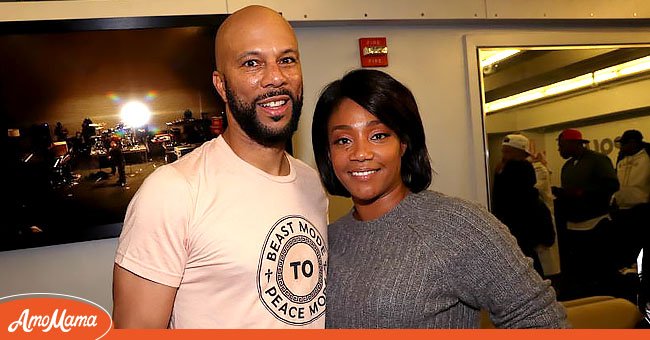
pixel 403 148
pixel 219 84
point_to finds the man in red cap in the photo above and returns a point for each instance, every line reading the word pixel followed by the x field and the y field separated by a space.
pixel 588 181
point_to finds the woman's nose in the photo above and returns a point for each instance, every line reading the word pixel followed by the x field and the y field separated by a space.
pixel 362 151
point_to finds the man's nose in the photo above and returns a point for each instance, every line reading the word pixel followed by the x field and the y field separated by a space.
pixel 273 76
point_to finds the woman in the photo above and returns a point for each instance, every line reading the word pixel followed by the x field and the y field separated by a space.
pixel 405 257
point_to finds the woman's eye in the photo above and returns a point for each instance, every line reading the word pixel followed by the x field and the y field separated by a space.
pixel 341 141
pixel 378 136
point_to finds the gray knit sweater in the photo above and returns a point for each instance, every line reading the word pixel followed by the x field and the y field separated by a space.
pixel 433 262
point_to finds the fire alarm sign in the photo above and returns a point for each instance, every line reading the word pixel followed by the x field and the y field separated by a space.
pixel 373 52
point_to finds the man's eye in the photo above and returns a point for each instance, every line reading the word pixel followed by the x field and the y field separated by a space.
pixel 251 63
pixel 287 60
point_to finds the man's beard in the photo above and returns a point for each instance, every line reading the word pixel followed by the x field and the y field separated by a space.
pixel 246 116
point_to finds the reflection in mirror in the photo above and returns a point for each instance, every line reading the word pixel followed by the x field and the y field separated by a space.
pixel 600 92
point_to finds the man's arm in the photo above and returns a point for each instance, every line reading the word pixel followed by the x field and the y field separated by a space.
pixel 140 303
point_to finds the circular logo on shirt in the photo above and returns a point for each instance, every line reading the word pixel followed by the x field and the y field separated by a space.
pixel 291 273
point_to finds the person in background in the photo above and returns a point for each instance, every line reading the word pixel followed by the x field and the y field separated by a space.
pixel 588 181
pixel 631 203
pixel 548 256
pixel 118 162
pixel 87 133
pixel 406 257
pixel 232 235
pixel 60 132
pixel 543 177
pixel 516 201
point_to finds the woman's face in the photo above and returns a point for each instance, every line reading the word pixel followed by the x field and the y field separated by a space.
pixel 366 154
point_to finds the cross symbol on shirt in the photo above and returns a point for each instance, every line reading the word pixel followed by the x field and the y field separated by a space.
pixel 268 275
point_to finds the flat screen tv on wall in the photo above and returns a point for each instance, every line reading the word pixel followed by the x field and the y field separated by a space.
pixel 91 108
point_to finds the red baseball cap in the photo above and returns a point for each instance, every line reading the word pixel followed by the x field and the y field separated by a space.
pixel 571 134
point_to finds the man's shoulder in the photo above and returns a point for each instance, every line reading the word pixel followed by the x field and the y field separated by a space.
pixel 594 158
pixel 595 154
pixel 646 148
pixel 182 173
pixel 164 175
pixel 520 165
pixel 188 164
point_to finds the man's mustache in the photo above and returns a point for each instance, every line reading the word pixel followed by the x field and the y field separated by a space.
pixel 278 92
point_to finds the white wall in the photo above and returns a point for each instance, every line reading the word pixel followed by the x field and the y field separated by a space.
pixel 427 56
pixel 428 60
pixel 83 269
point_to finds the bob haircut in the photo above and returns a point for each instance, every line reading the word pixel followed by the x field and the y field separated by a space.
pixel 393 104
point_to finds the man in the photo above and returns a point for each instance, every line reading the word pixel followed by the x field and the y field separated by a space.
pixel 118 162
pixel 631 203
pixel 233 234
pixel 582 204
pixel 60 132
pixel 516 201
pixel 588 181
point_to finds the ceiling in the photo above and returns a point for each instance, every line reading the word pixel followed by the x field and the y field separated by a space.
pixel 533 68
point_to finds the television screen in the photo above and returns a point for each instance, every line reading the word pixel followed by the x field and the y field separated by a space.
pixel 91 108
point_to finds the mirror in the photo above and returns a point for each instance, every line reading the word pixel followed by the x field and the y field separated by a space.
pixel 538 91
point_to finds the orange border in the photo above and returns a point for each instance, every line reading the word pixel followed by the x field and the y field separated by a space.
pixel 482 334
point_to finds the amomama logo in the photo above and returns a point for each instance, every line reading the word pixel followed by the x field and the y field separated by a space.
pixel 50 316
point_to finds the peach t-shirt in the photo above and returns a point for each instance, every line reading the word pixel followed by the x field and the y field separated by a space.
pixel 246 249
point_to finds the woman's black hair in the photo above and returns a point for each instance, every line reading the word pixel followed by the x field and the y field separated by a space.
pixel 393 104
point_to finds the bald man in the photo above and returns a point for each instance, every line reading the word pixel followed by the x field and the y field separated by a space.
pixel 232 235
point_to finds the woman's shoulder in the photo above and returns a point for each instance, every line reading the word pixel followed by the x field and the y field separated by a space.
pixel 466 224
pixel 434 202
pixel 430 210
